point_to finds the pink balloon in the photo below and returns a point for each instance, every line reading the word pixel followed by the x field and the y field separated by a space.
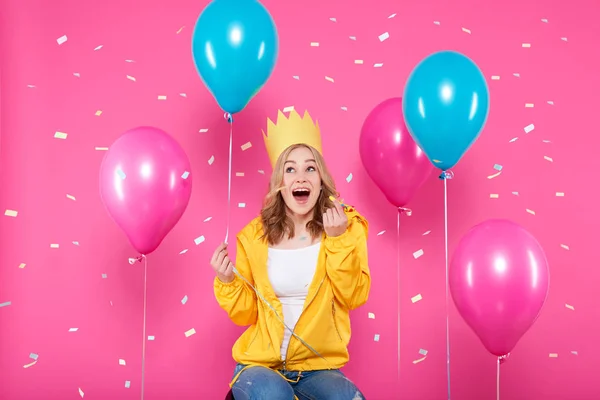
pixel 499 281
pixel 390 155
pixel 145 184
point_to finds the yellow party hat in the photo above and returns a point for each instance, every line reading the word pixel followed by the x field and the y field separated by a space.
pixel 289 131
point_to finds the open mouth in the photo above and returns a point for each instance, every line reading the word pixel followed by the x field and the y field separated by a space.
pixel 301 195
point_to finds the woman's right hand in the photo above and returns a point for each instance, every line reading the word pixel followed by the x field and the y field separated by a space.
pixel 222 265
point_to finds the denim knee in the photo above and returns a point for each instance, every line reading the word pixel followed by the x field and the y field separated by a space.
pixel 258 383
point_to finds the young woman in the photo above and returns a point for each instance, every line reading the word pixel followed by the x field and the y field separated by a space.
pixel 301 266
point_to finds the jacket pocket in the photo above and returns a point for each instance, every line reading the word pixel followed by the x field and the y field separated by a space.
pixel 334 319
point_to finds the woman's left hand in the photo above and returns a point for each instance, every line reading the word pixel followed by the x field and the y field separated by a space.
pixel 335 221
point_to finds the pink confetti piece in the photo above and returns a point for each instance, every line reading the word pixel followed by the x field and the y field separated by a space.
pixel 31 86
pixel 544 20
pixel 81 393
pixel 31 364
pixel 207 219
pixel 183 95
pixel 436 23
pixel 333 19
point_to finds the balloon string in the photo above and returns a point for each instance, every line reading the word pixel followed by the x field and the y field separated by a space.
pixel 398 278
pixel 143 257
pixel 447 284
pixel 230 120
pixel 498 379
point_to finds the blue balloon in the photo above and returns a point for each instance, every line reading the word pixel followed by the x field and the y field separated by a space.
pixel 445 105
pixel 235 48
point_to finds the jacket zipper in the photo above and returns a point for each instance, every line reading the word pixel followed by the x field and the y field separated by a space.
pixel 334 321
pixel 284 328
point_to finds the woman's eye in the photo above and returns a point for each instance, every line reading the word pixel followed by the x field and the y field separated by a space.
pixel 311 169
pixel 289 170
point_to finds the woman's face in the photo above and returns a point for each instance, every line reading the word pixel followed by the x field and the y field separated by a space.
pixel 301 180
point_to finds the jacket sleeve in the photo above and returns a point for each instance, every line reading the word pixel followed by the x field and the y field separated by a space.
pixel 236 297
pixel 347 264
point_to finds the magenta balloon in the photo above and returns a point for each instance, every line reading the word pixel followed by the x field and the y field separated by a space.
pixel 390 155
pixel 499 281
pixel 145 184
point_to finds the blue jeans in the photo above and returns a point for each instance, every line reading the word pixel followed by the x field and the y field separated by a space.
pixel 260 383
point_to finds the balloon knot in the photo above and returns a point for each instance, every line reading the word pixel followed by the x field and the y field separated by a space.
pixel 228 117
pixel 447 175
pixel 133 260
pixel 404 210
pixel 502 359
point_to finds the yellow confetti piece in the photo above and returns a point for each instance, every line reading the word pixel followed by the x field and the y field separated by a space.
pixel 564 246
pixel 528 105
pixel 31 364
pixel 162 97
pixel 530 211
pixel 122 362
pixel 98 113
pixel 211 160
pixel 380 233
pixel 436 161
pixel 60 135
pixel 526 45
pixel 553 355
pixel 494 175
pixel 570 307
pixel 239 174
pixel 101 148
pixel 416 298
pixel 329 79
pixel 71 197
pixel 131 78
pixel 465 30
pixel 190 332
pixel 360 62
pixel 288 109
pixel 22 265
pixel 54 246
pixel 418 253
pixel 371 315
pixel 548 158
pixel 419 360
pixel 560 194
pixel 495 77
pixel 494 196
pixel 246 146
pixel 98 47
pixel 11 213
pixel 314 44
pixel 179 30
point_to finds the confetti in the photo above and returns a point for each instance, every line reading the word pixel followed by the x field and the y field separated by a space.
pixel 98 113
pixel 392 16
pixel 529 128
pixel 513 140
pixel 183 95
pixel 530 211
pixel 329 79
pixel 246 146
pixel 104 276
pixel 419 360
pixel 121 173
pixel 76 243
pixel 344 108
pixel 376 338
pixel 574 352
pixel 203 130
pixel 371 315
pixel 127 384
pixel 162 97
pixel 122 362
pixel 60 135
pixel 54 245
pixel 560 194
pixel 150 337
pixel 528 105
pixel 183 251
pixel 61 39
pixel 498 167
pixel 465 30
pixel 22 265
pixel 349 177
pixel 77 74
pixel 73 329
pixel 129 61
pixel 101 148
pixel 31 86
pixel 131 78
pixel 98 47
pixel 384 36
pixel 33 356
pixel 296 77
pixel 332 19
pixel 548 158
pixel 71 197
pixel 378 65
pixel 288 109
pixel 185 175
pixel 546 141
pixel 564 39
pixel 494 195
pixel 564 246
pixel 515 193
pixel 81 393
pixel 550 102
pixel 260 171
pixel 359 62
pixel 31 364
pixel 184 300
pixel 570 307
pixel 516 74
pixel 179 30
pixel 495 77
pixel 352 37
pixel 544 20
pixel 380 233
pixel 418 253
pixel 314 44
pixel 436 23
pixel 11 213
pixel 553 355
pixel 423 352
pixel 242 205
pixel 494 175
pixel 207 219
pixel 526 45
pixel 416 298
pixel 239 174
pixel 198 240
pixel 5 304
pixel 426 233
pixel 190 332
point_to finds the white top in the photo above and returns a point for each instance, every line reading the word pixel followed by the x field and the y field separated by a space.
pixel 291 272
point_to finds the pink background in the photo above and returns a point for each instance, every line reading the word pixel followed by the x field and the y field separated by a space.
pixel 63 288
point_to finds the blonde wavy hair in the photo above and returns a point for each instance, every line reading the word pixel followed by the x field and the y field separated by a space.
pixel 274 216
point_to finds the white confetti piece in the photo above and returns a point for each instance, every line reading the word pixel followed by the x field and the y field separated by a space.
pixel 423 352
pixel 183 95
pixel 513 140
pixel 61 39
pixel 392 16
pixel 185 175
pixel 352 37
pixel 333 19
pixel 329 79
pixel 384 36
pixel 546 141
pixel 465 30
pixel 151 337
pixel 11 213
pixel 203 130
pixel 359 62
pixel 211 160
pixel 564 39
pixel 246 146
pixel 31 86
pixel 418 253
pixel 183 251
pixel 22 265
pixel 416 298
pixel 314 44
pixel 54 246
pixel 376 338
pixel 495 77
pixel 550 102
pixel 242 205
pixel 77 74
pixel 184 300
pixel 436 23
pixel 207 219
pixel 288 109
pixel 76 243
pixel 349 177
pixel 5 304
pixel 371 315
pixel 553 355
pixel 199 239
pixel 560 194
pixel 515 193
pixel 122 362
pixel 296 77
pixel 98 47
pixel 101 148
pixel 344 108
pixel 494 175
pixel 548 158
pixel 111 303
pixel 73 329
pixel 60 135
pixel 190 332
pixel 529 128
pixel 129 61
pixel 419 360
pixel 33 356
pixel 494 195
pixel 544 20
pixel 31 364
pixel 179 30
pixel 127 384
pixel 528 105
pixel 380 233
pixel 71 197
pixel 240 174
pixel 516 74
pixel 426 233
pixel 570 307
pixel 564 246
pixel 81 393
pixel 121 173
pixel 162 97
pixel 378 65
pixel 131 78
pixel 260 171
pixel 104 276
pixel 530 211
pixel 574 352
pixel 526 45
